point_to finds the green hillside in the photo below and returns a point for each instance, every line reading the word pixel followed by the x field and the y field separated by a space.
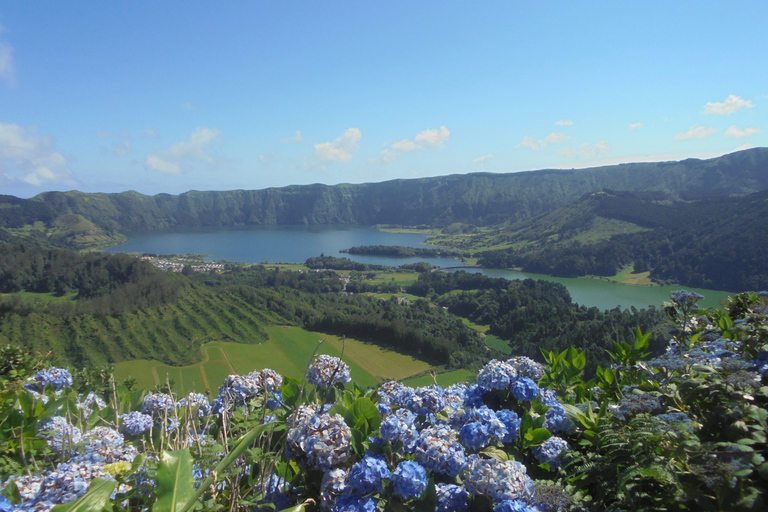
pixel 718 243
pixel 480 199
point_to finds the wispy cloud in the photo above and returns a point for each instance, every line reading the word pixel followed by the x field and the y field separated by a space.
pixel 696 132
pixel 635 126
pixel 538 145
pixel 7 64
pixel 173 159
pixel 150 132
pixel 734 132
pixel 564 122
pixel 484 158
pixel 31 158
pixel 340 150
pixel 297 137
pixel 592 150
pixel 432 138
pixel 732 104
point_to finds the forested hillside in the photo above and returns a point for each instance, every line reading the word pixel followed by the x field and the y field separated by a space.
pixel 718 243
pixel 480 199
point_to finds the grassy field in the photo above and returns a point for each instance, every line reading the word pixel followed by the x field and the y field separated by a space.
pixel 444 379
pixel 498 343
pixel 287 351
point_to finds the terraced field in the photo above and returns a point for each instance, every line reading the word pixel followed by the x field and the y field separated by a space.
pixel 287 351
pixel 172 333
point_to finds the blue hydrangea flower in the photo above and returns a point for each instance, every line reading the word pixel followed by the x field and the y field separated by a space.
pixel 498 480
pixel 196 400
pixel 549 451
pixel 409 479
pixel 333 485
pixel 393 393
pixel 400 427
pixel 474 395
pixel 474 435
pixel 524 389
pixel 511 421
pixel 59 378
pixel 135 423
pixel 320 442
pixel 455 395
pixel 438 450
pixel 158 404
pixel 548 397
pixel 103 437
pixel 426 400
pixel 513 506
pixel 59 433
pixel 526 367
pixel 327 371
pixel 487 417
pixel 451 498
pixel 356 503
pixel 369 475
pixel 85 405
pixel 496 375
pixel 558 421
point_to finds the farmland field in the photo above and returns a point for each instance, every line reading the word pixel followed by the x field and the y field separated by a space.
pixel 287 351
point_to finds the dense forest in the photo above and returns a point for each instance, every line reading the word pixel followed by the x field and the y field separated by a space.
pixel 399 251
pixel 536 315
pixel 722 244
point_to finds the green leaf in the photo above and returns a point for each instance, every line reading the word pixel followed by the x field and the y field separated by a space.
pixel 95 500
pixel 364 408
pixel 290 392
pixel 297 508
pixel 495 453
pixel 175 483
pixel 11 492
pixel 240 446
pixel 535 437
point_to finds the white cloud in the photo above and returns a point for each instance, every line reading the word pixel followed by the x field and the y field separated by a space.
pixel 123 148
pixel 567 152
pixel 150 132
pixel 564 122
pixel 7 64
pixel 635 126
pixel 732 103
pixel 297 137
pixel 554 137
pixel 695 132
pixel 602 147
pixel 538 145
pixel 592 150
pixel 529 142
pixel 172 159
pixel 432 138
pixel 483 159
pixel 734 132
pixel 340 150
pixel 30 158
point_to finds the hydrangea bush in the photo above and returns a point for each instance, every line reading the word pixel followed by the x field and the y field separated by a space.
pixel 678 431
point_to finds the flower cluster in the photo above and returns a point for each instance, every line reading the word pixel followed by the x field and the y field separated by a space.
pixel 59 378
pixel 319 441
pixel 327 371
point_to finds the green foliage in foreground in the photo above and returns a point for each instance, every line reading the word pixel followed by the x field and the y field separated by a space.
pixel 683 431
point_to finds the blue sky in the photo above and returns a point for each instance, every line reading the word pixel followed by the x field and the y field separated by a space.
pixel 199 95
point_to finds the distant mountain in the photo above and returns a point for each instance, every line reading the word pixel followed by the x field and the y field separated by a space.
pixel 481 199
pixel 719 243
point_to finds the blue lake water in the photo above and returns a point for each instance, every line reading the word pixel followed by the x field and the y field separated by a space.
pixel 294 244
